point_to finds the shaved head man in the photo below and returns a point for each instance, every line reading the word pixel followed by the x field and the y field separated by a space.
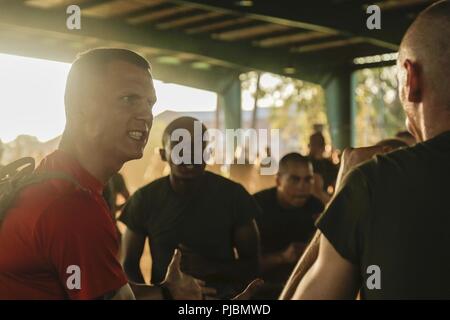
pixel 386 231
pixel 58 239
pixel 424 70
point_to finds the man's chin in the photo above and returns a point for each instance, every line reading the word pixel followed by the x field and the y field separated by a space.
pixel 129 156
pixel 299 202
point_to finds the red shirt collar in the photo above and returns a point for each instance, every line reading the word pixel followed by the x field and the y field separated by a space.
pixel 62 161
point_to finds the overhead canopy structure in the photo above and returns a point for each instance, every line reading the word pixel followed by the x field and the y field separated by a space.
pixel 207 43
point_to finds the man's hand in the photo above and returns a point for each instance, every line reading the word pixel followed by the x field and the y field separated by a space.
pixel 183 286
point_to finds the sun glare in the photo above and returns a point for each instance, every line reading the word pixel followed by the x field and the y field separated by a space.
pixel 32 97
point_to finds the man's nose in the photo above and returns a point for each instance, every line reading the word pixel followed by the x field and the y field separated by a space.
pixel 145 114
pixel 301 185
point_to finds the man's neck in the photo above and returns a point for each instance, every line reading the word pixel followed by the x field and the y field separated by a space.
pixel 184 187
pixel 90 160
pixel 435 122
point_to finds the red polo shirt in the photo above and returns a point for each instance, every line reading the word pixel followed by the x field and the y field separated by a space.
pixel 56 234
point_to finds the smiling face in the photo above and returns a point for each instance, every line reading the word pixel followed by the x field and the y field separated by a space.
pixel 118 111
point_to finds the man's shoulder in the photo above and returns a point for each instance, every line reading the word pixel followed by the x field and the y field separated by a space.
pixel 154 186
pixel 50 205
pixel 398 161
pixel 46 193
pixel 75 204
pixel 221 182
pixel 265 194
pixel 150 197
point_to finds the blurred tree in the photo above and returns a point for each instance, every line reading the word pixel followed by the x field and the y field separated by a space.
pixel 296 107
pixel 378 113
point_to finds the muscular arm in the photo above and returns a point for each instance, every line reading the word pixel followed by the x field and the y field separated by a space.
pixel 303 265
pixel 330 277
pixel 132 248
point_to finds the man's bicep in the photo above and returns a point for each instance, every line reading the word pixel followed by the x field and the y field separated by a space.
pixel 330 277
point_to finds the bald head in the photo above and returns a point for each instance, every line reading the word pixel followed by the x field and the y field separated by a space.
pixel 427 43
pixel 187 123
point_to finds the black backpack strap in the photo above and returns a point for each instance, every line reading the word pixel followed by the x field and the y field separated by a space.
pixel 20 174
pixel 14 169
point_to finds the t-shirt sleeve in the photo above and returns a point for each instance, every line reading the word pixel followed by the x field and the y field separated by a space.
pixel 341 222
pixel 79 241
pixel 134 214
pixel 246 207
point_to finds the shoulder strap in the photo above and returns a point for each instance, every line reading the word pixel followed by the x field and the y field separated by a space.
pixel 20 174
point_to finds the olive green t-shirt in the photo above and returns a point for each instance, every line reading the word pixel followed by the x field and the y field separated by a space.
pixel 393 212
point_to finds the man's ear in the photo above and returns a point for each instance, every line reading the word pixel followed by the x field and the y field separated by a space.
pixel 413 81
pixel 207 154
pixel 162 154
pixel 278 179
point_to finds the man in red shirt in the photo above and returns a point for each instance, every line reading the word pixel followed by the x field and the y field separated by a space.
pixel 57 240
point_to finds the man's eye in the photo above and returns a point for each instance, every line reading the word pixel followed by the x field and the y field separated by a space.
pixel 128 99
pixel 125 99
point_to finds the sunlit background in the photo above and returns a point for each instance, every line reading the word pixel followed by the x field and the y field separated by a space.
pixel 32 94
pixel 32 111
pixel 32 97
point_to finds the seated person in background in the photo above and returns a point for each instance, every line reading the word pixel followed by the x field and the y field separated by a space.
pixel 208 217
pixel 406 137
pixel 287 221
pixel 325 170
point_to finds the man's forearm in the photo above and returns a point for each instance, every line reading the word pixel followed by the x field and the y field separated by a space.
pixel 303 265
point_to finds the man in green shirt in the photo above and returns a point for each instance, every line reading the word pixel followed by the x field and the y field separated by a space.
pixel 386 232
